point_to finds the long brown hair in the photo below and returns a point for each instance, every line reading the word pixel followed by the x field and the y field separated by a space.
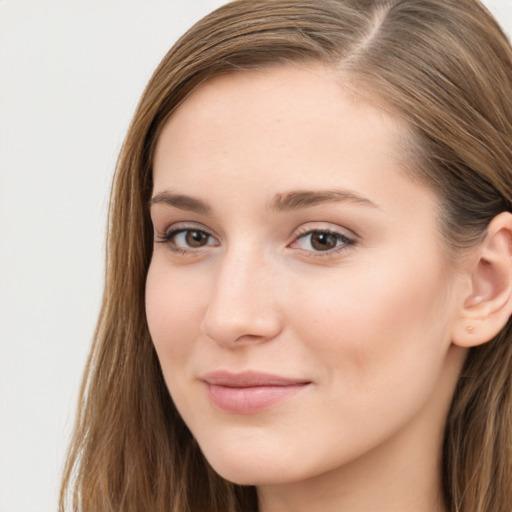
pixel 442 65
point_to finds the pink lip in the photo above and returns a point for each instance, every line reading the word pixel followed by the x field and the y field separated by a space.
pixel 249 392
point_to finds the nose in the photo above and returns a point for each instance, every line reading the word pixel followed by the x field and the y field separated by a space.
pixel 244 303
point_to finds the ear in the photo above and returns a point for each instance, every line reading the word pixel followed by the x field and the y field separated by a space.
pixel 486 308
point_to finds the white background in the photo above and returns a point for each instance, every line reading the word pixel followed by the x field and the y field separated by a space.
pixel 71 73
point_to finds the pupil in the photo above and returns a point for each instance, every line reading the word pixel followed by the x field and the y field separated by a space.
pixel 323 241
pixel 196 238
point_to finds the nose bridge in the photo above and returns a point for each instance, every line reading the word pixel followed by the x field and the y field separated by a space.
pixel 242 305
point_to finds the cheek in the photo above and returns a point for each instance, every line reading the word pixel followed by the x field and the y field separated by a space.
pixel 381 326
pixel 174 314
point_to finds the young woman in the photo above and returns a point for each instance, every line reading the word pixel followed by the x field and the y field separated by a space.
pixel 309 277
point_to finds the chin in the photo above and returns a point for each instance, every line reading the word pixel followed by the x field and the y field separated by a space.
pixel 246 468
pixel 248 474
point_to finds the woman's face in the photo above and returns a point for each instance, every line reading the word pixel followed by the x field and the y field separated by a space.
pixel 298 296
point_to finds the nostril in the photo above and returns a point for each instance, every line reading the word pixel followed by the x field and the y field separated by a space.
pixel 236 328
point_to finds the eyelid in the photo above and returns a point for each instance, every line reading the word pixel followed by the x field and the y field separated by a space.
pixel 307 227
pixel 185 226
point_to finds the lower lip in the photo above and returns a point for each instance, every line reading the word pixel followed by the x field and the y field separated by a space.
pixel 251 399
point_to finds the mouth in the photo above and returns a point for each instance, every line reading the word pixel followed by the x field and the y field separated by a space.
pixel 250 392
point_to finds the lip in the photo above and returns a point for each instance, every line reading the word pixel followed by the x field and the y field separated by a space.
pixel 250 391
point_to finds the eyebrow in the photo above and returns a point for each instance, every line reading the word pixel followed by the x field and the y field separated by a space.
pixel 298 199
pixel 294 200
pixel 181 202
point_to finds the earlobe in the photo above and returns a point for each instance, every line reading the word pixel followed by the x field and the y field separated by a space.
pixel 488 305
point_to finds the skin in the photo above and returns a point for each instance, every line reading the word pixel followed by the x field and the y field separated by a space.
pixel 367 323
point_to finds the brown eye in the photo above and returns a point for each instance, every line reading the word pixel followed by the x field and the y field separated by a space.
pixel 187 240
pixel 196 238
pixel 324 241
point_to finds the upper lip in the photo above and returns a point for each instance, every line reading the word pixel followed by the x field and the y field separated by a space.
pixel 249 379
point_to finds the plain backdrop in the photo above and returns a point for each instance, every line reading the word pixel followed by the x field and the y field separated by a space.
pixel 71 73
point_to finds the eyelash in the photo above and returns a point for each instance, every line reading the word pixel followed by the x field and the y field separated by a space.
pixel 343 241
pixel 168 238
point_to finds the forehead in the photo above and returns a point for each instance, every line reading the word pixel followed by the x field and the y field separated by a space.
pixel 277 93
pixel 281 128
pixel 279 104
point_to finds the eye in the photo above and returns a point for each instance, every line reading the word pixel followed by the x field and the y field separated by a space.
pixel 187 240
pixel 322 241
pixel 192 238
